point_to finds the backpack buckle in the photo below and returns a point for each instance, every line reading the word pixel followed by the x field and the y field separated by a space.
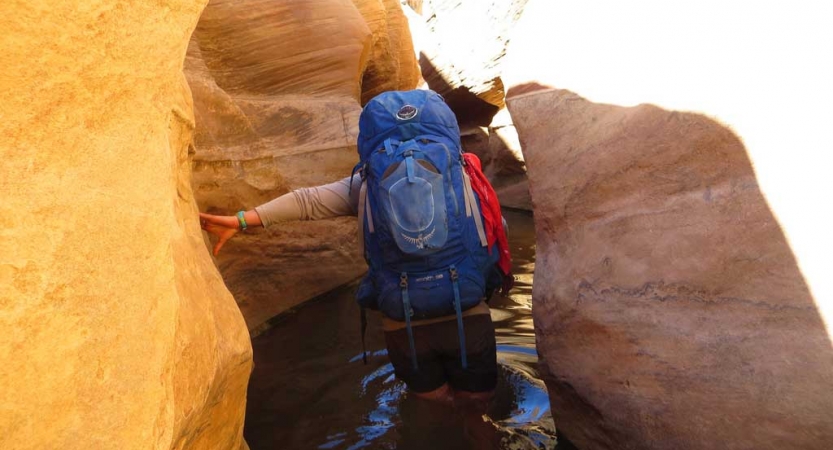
pixel 454 274
pixel 403 281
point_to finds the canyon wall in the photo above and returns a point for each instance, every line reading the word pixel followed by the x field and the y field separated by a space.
pixel 118 332
pixel 462 48
pixel 677 160
pixel 677 157
pixel 278 88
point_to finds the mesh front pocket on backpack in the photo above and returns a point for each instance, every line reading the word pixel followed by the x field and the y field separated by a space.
pixel 415 207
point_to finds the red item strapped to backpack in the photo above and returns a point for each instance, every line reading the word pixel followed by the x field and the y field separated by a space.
pixel 490 208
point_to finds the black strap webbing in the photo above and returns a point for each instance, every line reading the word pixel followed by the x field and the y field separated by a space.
pixel 364 328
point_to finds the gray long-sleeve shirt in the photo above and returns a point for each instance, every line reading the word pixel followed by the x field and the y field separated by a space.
pixel 314 203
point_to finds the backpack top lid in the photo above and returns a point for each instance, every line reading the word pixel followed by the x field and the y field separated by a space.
pixel 403 115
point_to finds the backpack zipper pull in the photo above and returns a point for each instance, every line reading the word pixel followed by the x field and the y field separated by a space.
pixel 388 147
pixel 409 166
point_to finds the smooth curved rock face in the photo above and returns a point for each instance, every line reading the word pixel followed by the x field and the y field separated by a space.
pixel 277 89
pixel 677 303
pixel 461 47
pixel 292 47
pixel 392 64
pixel 117 330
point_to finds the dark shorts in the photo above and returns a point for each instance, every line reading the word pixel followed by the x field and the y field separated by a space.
pixel 438 355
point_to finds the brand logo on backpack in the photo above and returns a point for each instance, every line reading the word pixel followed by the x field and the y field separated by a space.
pixel 406 112
pixel 420 241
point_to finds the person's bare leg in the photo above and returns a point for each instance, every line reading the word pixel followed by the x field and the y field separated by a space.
pixel 428 416
pixel 442 394
pixel 474 398
pixel 479 430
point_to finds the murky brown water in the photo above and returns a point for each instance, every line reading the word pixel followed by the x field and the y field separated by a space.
pixel 310 390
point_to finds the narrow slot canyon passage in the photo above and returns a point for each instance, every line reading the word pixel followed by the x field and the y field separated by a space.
pixel 310 389
pixel 676 154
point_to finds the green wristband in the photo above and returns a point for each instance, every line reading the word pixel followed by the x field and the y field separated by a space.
pixel 241 220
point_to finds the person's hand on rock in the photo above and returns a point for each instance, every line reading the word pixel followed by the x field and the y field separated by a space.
pixel 224 227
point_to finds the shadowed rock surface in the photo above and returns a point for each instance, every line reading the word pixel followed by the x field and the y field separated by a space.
pixel 680 297
pixel 673 314
pixel 499 151
pixel 118 332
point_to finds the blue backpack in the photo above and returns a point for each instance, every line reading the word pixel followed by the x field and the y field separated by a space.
pixel 420 225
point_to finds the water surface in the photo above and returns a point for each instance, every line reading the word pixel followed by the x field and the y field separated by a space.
pixel 310 389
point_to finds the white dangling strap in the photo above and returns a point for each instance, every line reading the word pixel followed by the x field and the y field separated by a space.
pixel 472 209
pixel 369 213
pixel 466 194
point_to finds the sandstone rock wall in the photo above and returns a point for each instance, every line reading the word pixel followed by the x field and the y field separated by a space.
pixel 278 87
pixel 680 298
pixel 392 63
pixel 117 330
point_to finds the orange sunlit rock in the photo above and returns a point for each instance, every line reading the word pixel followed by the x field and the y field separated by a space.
pixel 118 332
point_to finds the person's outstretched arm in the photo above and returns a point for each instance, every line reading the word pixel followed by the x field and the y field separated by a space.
pixel 330 200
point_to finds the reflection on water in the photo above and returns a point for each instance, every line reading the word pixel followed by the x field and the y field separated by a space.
pixel 311 390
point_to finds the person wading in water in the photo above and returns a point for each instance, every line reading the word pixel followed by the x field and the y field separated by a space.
pixel 431 230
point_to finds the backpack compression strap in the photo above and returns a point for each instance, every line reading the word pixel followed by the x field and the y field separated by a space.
pixel 364 330
pixel 406 304
pixel 458 309
pixel 364 214
pixel 473 209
